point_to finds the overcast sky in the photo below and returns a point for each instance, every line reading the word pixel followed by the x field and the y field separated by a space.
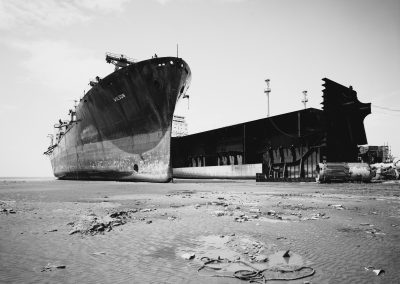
pixel 50 49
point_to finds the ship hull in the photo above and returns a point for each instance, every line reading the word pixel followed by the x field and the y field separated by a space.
pixel 123 125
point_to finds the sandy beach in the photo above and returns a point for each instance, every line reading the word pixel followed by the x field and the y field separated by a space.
pixel 54 231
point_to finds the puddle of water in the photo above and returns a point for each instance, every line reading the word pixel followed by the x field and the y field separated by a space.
pixel 233 253
pixel 164 252
pixel 290 218
pixel 109 204
pixel 270 220
pixel 214 240
pixel 214 246
pixel 277 259
pixel 125 197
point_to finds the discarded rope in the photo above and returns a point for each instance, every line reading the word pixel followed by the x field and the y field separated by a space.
pixel 246 274
pixel 255 275
pixel 208 260
pixel 312 272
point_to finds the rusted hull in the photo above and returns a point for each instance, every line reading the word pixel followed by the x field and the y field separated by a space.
pixel 123 125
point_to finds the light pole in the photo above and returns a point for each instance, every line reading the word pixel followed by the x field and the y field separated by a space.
pixel 305 99
pixel 267 91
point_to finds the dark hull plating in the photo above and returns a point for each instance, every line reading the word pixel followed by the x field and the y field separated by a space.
pixel 123 125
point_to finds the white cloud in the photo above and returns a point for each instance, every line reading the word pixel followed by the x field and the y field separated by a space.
pixel 163 2
pixel 53 13
pixel 6 108
pixel 104 6
pixel 60 66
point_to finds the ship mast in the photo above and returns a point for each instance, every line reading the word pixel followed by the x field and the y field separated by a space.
pixel 305 99
pixel 267 91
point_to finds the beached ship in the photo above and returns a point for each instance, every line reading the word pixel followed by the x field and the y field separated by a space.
pixel 121 128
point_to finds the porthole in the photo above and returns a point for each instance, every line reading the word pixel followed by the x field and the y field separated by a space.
pixel 136 168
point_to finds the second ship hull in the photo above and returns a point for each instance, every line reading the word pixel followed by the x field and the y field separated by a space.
pixel 123 125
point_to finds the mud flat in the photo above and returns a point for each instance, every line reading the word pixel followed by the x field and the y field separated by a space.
pixel 198 232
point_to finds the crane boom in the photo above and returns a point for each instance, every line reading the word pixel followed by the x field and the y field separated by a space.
pixel 119 60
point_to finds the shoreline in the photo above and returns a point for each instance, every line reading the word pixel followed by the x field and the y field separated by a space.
pixel 337 229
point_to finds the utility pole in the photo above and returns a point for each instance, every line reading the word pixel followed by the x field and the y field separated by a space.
pixel 267 91
pixel 305 99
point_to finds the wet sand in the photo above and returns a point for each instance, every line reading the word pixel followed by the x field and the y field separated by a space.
pixel 337 229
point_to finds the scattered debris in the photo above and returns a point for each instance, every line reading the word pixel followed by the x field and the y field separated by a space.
pixel 99 253
pixel 370 230
pixel 176 205
pixel 91 224
pixel 188 256
pixel 286 254
pixel 241 218
pixel 376 271
pixel 148 209
pixel 374 231
pixel 337 206
pixel 386 171
pixel 6 206
pixel 219 203
pixel 8 211
pixel 51 267
pixel 317 216
pixel 261 258
pixel 219 213
pixel 255 210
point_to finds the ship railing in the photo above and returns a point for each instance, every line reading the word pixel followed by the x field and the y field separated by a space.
pixel 50 149
pixel 93 82
pixel 61 125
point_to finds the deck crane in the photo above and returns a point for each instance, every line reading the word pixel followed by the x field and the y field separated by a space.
pixel 119 60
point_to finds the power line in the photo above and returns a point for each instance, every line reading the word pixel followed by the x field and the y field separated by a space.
pixel 384 112
pixel 386 108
